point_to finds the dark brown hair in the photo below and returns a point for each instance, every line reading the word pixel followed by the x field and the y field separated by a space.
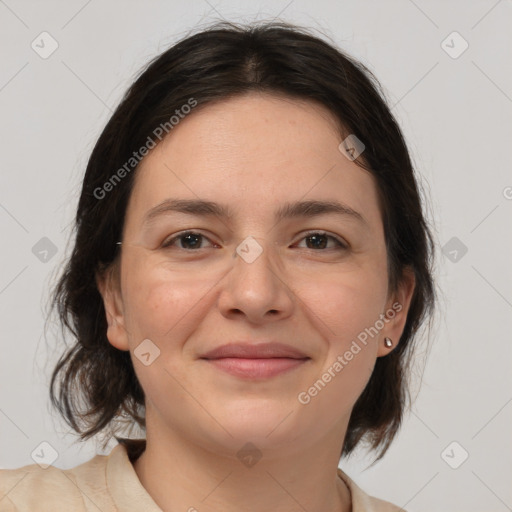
pixel 97 383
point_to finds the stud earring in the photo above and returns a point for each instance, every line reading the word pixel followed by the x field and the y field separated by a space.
pixel 388 342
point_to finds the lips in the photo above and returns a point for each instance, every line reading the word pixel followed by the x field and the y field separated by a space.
pixel 255 351
pixel 260 361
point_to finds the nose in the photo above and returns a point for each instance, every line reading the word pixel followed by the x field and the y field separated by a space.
pixel 257 287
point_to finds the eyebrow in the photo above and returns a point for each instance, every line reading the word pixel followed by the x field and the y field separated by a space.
pixel 203 208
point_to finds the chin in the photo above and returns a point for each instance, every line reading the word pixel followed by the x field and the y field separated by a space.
pixel 264 423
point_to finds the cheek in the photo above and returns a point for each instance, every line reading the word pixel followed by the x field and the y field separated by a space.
pixel 160 304
pixel 165 311
pixel 344 303
pixel 348 362
pixel 347 307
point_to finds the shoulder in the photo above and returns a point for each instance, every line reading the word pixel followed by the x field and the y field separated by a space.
pixel 362 502
pixel 34 488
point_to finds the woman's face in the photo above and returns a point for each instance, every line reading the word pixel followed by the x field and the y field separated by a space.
pixel 314 280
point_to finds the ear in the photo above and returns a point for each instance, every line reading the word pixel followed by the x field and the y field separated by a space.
pixel 397 308
pixel 108 283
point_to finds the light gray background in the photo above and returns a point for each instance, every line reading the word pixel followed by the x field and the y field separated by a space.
pixel 456 115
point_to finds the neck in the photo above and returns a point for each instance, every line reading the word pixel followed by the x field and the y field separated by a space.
pixel 181 475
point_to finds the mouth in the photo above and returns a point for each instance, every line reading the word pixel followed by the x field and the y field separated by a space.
pixel 256 368
pixel 255 361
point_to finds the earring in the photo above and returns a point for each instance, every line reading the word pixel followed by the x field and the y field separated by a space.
pixel 388 342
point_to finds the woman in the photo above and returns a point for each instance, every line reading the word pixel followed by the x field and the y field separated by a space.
pixel 251 268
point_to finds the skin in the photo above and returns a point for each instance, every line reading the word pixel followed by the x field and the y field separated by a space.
pixel 251 153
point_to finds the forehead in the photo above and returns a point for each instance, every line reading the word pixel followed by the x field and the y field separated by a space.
pixel 254 152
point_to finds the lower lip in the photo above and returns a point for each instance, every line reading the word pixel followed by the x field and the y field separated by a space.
pixel 256 368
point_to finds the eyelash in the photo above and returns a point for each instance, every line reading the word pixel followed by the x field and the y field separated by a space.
pixel 169 242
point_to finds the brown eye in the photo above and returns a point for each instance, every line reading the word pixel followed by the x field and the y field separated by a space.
pixel 319 240
pixel 188 240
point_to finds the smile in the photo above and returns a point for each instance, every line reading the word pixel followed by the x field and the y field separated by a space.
pixel 256 368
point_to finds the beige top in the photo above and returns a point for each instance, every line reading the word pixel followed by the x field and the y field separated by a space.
pixel 109 483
